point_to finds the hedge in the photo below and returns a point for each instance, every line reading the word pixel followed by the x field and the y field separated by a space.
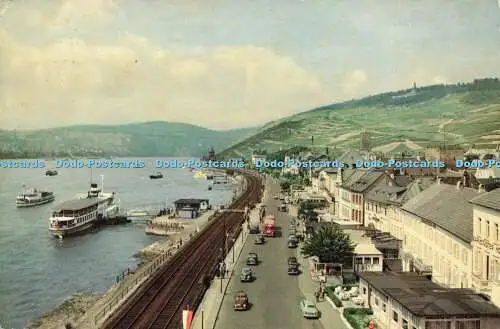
pixel 330 292
pixel 358 318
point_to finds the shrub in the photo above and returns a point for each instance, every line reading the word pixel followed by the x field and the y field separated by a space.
pixel 358 318
pixel 330 292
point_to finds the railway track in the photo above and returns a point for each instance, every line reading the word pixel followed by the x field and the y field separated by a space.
pixel 159 303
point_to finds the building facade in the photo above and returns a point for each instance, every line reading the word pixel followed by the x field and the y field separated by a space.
pixel 353 185
pixel 438 234
pixel 486 244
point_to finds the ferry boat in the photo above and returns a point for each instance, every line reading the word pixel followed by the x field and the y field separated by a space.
pixel 73 217
pixel 108 203
pixel 34 197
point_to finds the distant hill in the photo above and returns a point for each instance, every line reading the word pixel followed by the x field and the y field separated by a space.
pixel 138 139
pixel 465 114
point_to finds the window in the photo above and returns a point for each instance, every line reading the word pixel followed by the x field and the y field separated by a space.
pixel 487 228
pixel 405 324
pixel 438 324
pixel 364 291
pixel 468 324
pixel 496 233
pixel 395 316
pixel 480 224
pixel 384 307
pixel 375 260
pixel 376 301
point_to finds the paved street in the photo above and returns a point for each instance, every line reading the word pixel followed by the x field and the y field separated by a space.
pixel 274 294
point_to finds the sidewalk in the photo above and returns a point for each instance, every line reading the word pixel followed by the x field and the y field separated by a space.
pixel 330 317
pixel 208 311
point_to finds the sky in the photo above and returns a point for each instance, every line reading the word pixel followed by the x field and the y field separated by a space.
pixel 225 64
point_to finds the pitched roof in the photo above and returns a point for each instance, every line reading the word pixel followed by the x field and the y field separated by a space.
pixel 446 206
pixel 385 193
pixel 424 298
pixel 489 199
pixel 413 189
pixel 361 180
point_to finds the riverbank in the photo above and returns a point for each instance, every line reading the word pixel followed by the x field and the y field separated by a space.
pixel 67 312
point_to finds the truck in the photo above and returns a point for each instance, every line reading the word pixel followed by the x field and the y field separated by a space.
pixel 270 226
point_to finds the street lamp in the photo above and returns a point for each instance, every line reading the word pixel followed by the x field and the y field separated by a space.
pixel 202 319
pixel 220 270
pixel 234 240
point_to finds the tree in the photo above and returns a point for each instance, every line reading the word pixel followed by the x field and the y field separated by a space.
pixel 330 245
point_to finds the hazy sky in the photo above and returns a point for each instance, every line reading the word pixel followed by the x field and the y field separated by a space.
pixel 224 64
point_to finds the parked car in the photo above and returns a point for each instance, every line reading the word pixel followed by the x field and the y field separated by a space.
pixel 252 259
pixel 292 260
pixel 259 239
pixel 241 302
pixel 292 244
pixel 309 309
pixel 246 274
pixel 293 269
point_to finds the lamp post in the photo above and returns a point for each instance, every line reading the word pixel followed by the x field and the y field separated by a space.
pixel 202 319
pixel 234 240
pixel 220 270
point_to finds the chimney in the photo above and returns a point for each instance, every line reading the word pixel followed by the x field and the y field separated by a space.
pixel 460 185
pixel 438 180
pixel 481 188
pixel 392 175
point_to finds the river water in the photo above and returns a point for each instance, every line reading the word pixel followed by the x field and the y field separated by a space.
pixel 38 271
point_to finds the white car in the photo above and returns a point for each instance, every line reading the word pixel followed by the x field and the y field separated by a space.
pixel 309 310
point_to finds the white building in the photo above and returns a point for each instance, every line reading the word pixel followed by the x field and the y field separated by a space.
pixel 438 234
pixel 290 168
pixel 410 301
pixel 486 244
pixel 367 257
pixel 353 185
pixel 383 204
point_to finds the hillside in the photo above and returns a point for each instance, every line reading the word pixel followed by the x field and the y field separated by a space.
pixel 138 139
pixel 467 113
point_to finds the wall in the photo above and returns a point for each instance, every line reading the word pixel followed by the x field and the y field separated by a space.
pixel 486 248
pixel 449 256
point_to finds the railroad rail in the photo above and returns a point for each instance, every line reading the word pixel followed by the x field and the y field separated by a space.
pixel 183 280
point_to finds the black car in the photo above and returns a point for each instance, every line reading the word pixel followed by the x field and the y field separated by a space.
pixel 292 261
pixel 293 269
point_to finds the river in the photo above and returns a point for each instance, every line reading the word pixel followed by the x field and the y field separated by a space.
pixel 38 271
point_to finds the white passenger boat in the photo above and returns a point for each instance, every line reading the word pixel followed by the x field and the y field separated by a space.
pixel 34 197
pixel 108 203
pixel 73 217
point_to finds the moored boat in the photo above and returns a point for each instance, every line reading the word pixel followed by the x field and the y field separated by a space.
pixel 73 217
pixel 34 197
pixel 108 203
pixel 157 175
pixel 51 172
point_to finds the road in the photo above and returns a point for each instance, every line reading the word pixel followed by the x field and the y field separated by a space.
pixel 274 294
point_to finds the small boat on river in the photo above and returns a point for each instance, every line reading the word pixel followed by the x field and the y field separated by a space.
pixel 157 175
pixel 34 197
pixel 51 172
